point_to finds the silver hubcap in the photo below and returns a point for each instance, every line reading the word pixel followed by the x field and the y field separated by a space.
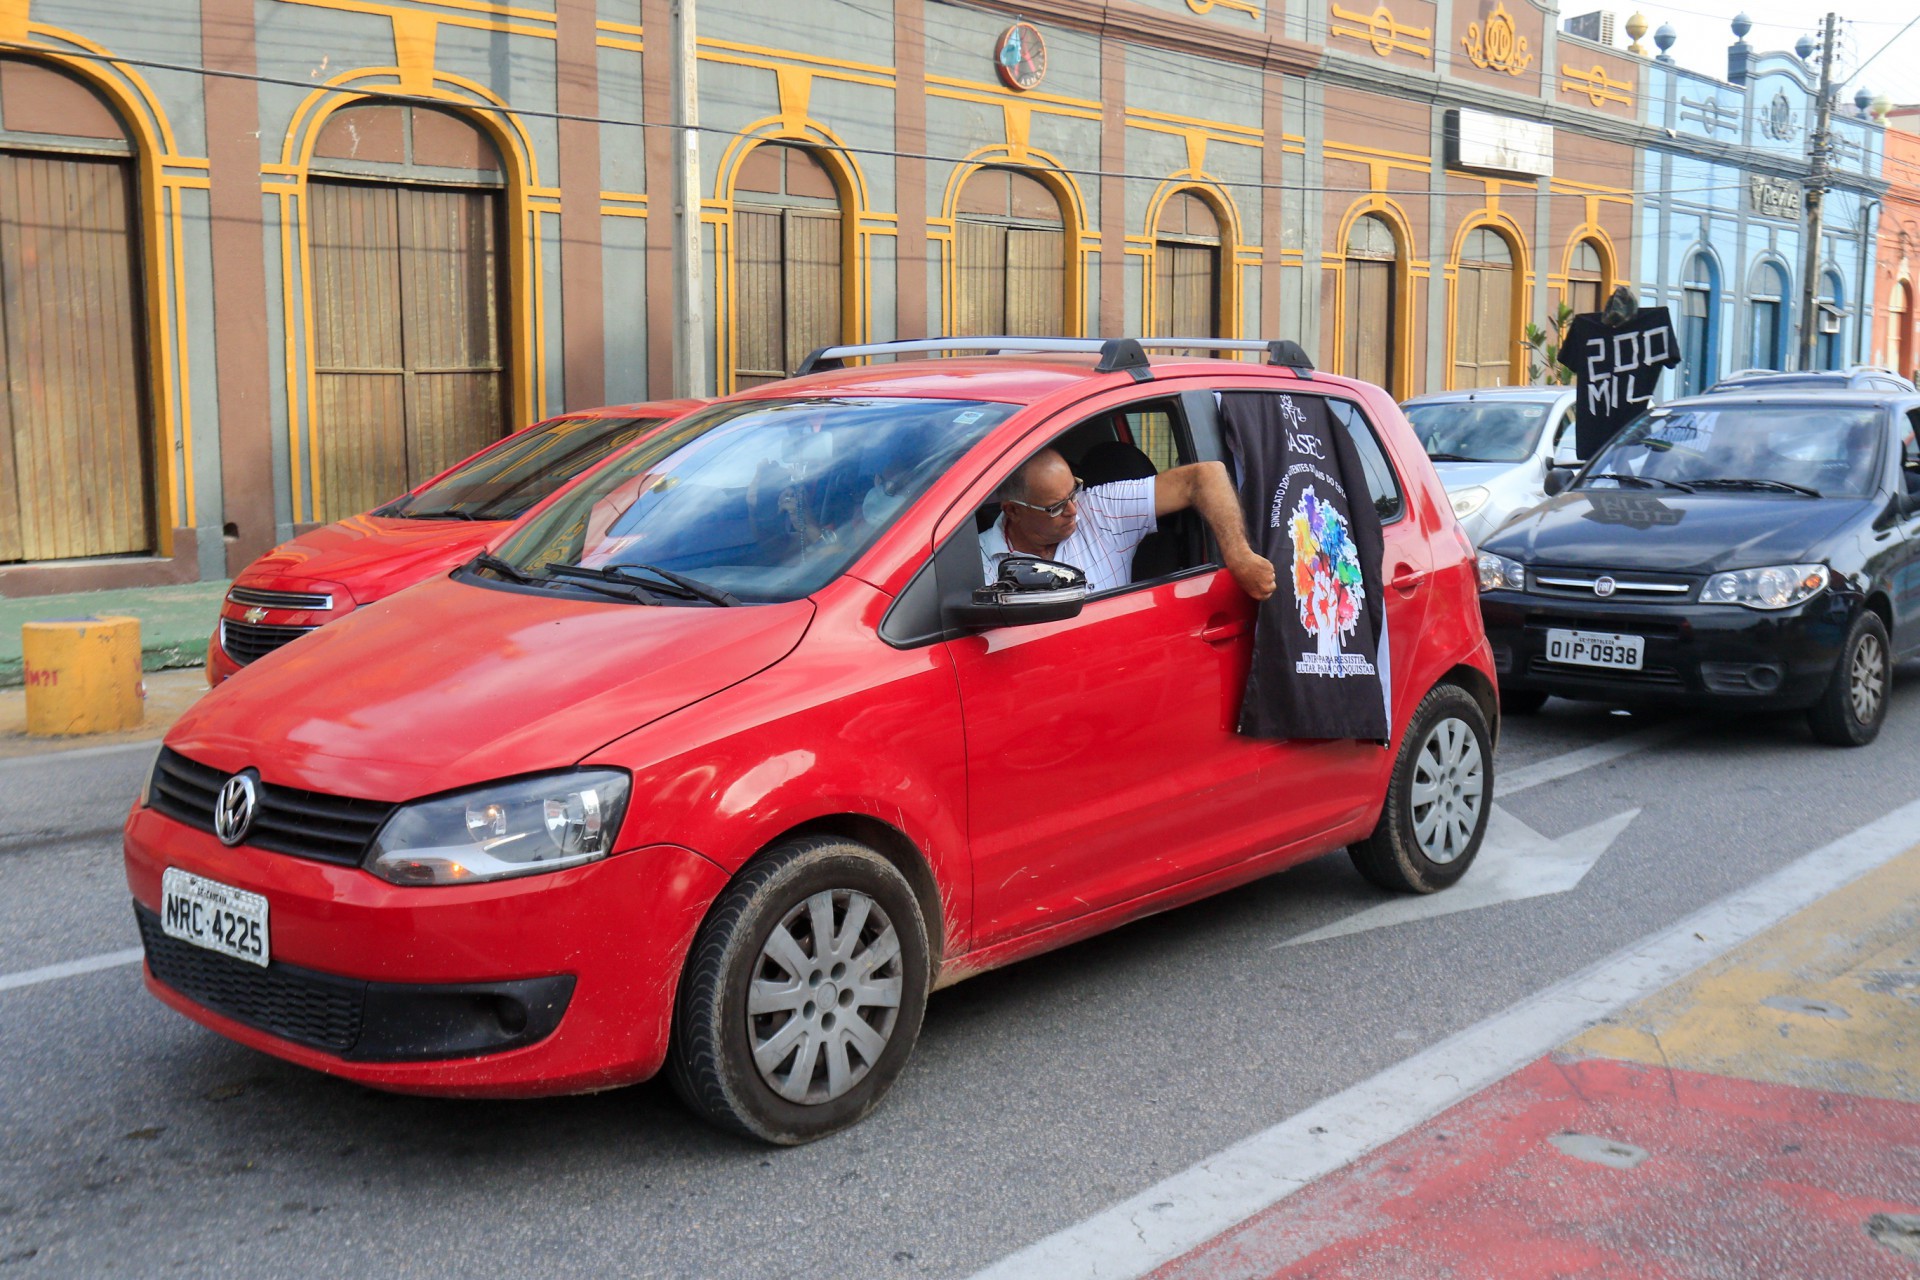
pixel 825 996
pixel 1449 781
pixel 1867 681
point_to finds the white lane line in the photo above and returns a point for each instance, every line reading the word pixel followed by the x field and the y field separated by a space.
pixel 71 969
pixel 149 745
pixel 1198 1204
pixel 1554 768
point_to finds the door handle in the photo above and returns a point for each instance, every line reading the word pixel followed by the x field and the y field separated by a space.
pixel 1406 578
pixel 1221 630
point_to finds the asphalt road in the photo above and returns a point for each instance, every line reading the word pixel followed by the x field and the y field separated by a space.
pixel 137 1144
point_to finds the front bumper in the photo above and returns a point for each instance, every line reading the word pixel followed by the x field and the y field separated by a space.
pixel 558 983
pixel 1695 655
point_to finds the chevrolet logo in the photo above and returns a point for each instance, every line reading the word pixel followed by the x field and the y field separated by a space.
pixel 254 614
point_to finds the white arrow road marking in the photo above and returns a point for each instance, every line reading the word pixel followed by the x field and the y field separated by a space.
pixel 1515 862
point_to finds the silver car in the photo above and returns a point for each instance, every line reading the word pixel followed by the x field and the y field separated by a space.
pixel 1493 447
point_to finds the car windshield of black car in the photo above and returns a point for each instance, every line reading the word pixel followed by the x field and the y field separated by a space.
pixel 1827 448
pixel 1479 430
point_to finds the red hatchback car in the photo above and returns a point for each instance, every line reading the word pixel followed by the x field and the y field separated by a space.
pixel 726 758
pixel 326 573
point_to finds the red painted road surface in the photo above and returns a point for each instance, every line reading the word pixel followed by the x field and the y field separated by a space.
pixel 1740 1181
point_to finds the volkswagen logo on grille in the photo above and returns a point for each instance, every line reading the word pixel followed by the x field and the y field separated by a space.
pixel 233 808
pixel 1603 587
pixel 254 614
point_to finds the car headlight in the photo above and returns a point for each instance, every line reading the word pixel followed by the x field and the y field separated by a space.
pixel 1777 586
pixel 503 829
pixel 1468 500
pixel 1498 571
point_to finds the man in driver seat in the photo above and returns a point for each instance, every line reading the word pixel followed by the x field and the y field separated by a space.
pixel 1048 512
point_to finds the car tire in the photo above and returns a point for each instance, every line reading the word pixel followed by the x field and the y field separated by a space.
pixel 760 990
pixel 1854 704
pixel 1521 702
pixel 1438 798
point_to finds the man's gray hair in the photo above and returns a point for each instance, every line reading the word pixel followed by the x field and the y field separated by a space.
pixel 1015 487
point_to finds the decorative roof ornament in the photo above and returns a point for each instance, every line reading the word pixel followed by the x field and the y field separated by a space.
pixel 1741 25
pixel 1882 104
pixel 1803 48
pixel 1665 37
pixel 1862 99
pixel 1499 48
pixel 1637 27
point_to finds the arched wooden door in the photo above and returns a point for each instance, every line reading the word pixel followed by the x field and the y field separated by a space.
pixel 787 226
pixel 1370 325
pixel 1186 269
pixel 1010 257
pixel 1483 332
pixel 409 301
pixel 76 449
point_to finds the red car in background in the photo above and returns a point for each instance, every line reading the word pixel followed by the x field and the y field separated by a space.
pixel 729 754
pixel 327 573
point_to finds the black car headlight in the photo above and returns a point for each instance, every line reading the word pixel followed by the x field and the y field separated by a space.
pixel 1777 586
pixel 1497 572
pixel 503 829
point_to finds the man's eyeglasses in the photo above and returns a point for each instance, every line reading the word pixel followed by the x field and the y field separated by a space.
pixel 1056 509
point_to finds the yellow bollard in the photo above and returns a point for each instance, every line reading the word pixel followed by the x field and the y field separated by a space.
pixel 83 675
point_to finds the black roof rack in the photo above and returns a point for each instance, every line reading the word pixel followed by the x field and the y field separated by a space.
pixel 1116 354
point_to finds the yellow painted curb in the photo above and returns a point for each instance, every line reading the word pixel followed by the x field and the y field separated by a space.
pixel 1827 999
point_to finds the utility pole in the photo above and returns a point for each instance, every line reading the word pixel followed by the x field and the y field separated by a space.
pixel 1816 196
pixel 689 293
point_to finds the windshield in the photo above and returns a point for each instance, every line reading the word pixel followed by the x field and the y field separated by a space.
pixel 1479 430
pixel 1818 448
pixel 767 500
pixel 504 482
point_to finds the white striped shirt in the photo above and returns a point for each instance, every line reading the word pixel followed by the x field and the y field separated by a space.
pixel 1113 519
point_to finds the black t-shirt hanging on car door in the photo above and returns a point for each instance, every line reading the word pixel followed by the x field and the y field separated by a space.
pixel 1319 651
pixel 1616 369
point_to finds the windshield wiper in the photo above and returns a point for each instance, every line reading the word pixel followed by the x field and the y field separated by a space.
pixel 445 513
pixel 1645 482
pixel 1450 457
pixel 673 584
pixel 611 584
pixel 691 588
pixel 1748 482
pixel 505 568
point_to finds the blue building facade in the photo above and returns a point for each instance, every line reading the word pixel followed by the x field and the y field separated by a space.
pixel 1722 221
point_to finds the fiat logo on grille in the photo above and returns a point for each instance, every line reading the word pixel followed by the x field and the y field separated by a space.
pixel 1603 587
pixel 254 614
pixel 233 808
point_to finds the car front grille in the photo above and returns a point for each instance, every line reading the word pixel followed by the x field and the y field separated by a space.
pixel 1666 677
pixel 1628 584
pixel 307 1008
pixel 309 600
pixel 306 824
pixel 245 642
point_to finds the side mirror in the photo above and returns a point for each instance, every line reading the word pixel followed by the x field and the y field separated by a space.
pixel 1026 590
pixel 1558 478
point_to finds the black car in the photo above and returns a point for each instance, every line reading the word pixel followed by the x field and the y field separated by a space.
pixel 1739 550
pixel 1861 377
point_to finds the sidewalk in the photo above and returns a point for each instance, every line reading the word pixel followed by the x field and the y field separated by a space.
pixel 169 693
pixel 175 622
pixel 1760 1117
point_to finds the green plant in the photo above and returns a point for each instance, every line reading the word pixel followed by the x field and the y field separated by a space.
pixel 1545 345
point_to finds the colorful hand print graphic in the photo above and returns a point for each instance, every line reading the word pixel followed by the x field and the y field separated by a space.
pixel 1326 573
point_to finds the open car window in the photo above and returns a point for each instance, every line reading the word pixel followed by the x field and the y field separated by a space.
pixel 766 500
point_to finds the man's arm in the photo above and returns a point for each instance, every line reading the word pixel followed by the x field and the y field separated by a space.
pixel 1204 487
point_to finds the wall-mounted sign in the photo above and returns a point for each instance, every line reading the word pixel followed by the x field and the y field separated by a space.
pixel 1503 144
pixel 1773 197
pixel 1021 56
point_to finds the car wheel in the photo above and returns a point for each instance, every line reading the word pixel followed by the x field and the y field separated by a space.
pixel 1438 798
pixel 1521 702
pixel 802 996
pixel 1854 705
